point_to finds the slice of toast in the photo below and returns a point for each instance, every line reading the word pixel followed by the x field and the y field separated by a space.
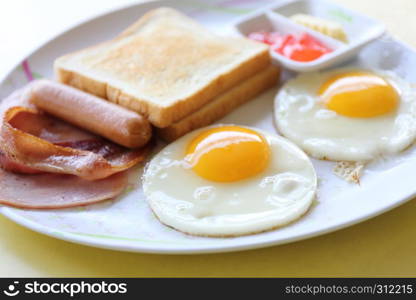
pixel 164 66
pixel 223 104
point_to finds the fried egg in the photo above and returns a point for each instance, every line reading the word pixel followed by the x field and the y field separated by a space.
pixel 229 180
pixel 347 114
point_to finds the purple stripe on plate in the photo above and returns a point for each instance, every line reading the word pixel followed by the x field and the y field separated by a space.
pixel 26 70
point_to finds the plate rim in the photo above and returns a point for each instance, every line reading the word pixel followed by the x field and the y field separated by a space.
pixel 183 248
pixel 68 28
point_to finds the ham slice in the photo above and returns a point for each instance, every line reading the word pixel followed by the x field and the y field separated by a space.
pixel 50 164
pixel 47 191
pixel 37 141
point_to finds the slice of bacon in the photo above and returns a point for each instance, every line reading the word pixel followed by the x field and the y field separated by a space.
pixel 12 166
pixel 25 129
pixel 53 191
pixel 32 141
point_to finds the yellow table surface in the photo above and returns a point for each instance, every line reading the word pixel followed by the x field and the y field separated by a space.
pixel 382 246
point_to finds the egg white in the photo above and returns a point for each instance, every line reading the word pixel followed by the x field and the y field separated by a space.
pixel 324 134
pixel 181 199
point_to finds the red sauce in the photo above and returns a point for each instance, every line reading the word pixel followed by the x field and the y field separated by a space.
pixel 301 48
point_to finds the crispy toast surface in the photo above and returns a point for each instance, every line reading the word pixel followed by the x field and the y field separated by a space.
pixel 165 66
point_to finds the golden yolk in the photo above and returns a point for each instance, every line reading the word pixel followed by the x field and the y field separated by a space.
pixel 228 153
pixel 359 95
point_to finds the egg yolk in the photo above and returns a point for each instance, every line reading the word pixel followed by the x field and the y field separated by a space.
pixel 359 95
pixel 228 153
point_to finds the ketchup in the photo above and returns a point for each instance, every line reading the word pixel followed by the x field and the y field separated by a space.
pixel 301 48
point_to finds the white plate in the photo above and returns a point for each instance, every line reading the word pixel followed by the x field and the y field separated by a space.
pixel 127 223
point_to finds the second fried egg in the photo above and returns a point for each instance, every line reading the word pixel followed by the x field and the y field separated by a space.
pixel 347 114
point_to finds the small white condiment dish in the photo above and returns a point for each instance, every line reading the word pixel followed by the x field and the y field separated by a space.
pixel 360 30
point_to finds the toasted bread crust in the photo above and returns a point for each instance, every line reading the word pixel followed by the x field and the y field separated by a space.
pixel 161 116
pixel 113 56
pixel 223 104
